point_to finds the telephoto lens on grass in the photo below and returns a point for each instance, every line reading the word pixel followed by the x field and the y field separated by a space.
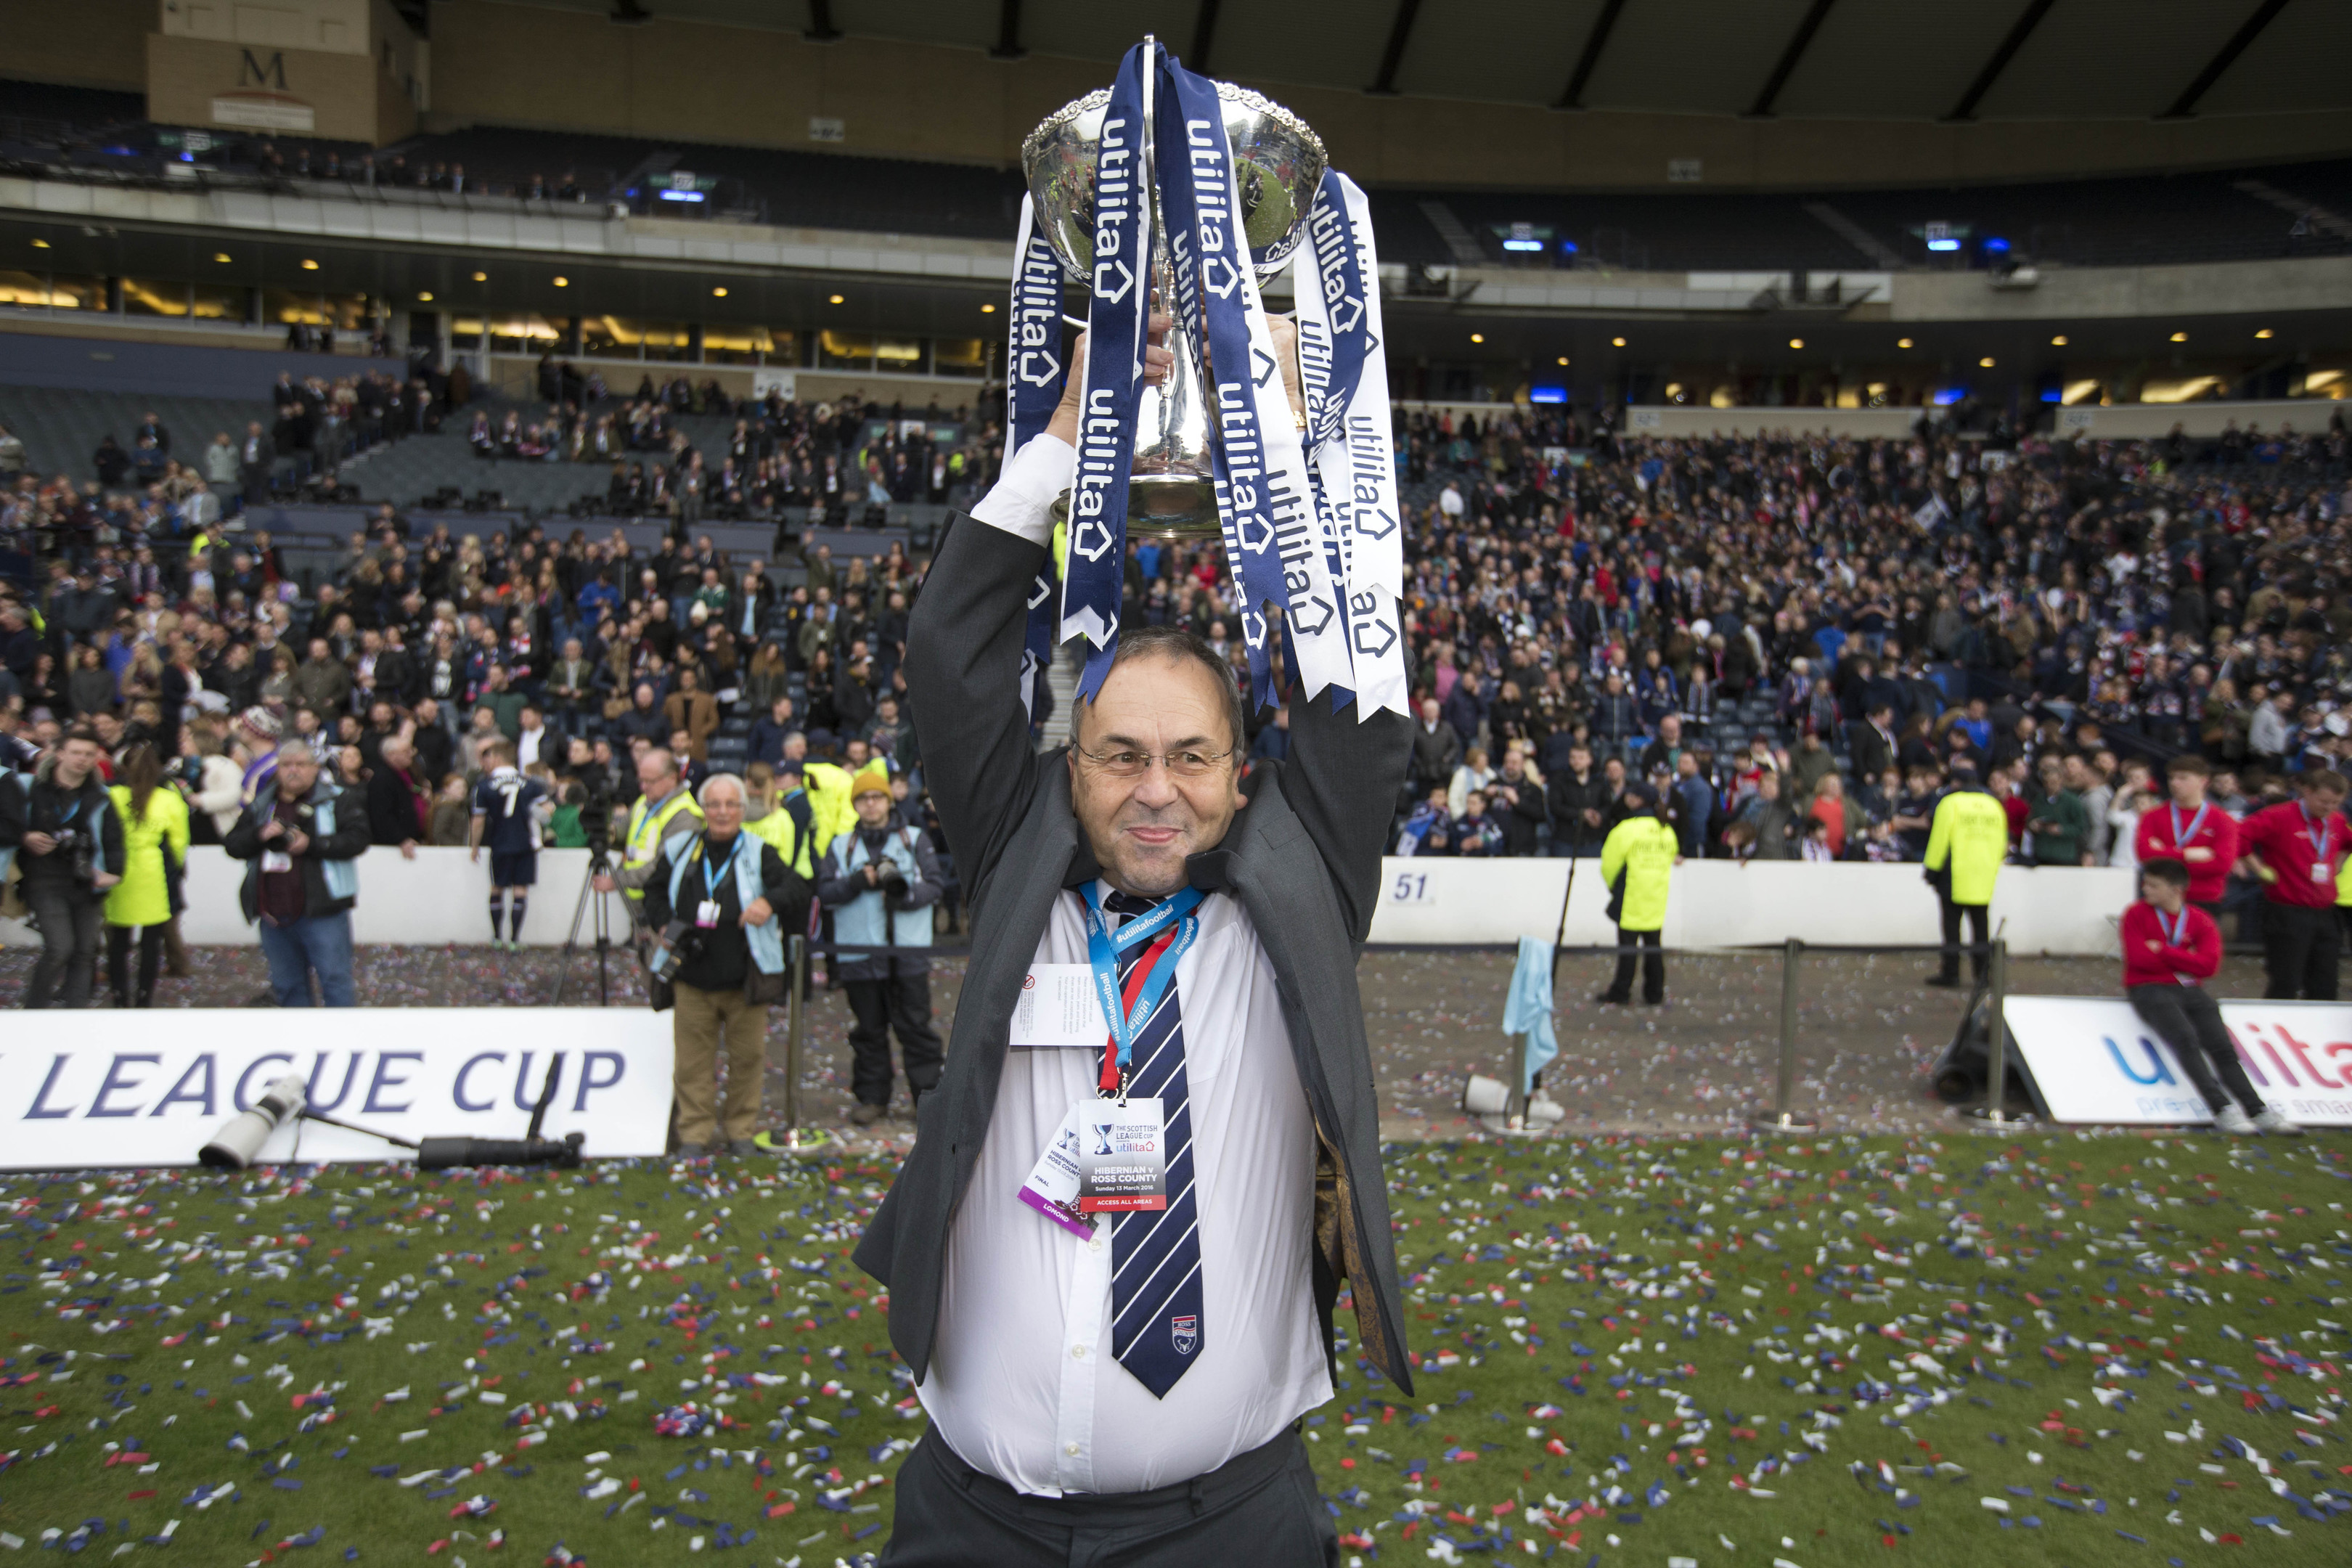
pixel 446 1153
pixel 234 1147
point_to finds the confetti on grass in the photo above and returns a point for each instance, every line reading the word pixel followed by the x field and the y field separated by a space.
pixel 2133 1344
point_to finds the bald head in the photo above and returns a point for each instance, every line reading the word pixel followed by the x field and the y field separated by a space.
pixel 656 773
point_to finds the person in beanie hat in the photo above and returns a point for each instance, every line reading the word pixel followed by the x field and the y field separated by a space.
pixel 257 731
pixel 880 881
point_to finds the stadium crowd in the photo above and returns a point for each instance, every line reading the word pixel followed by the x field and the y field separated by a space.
pixel 1800 644
pixel 1796 639
pixel 421 660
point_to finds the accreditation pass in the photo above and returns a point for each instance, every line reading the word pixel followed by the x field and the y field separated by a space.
pixel 1058 1007
pixel 1105 1158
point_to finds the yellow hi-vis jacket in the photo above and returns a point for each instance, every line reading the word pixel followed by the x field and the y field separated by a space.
pixel 647 828
pixel 1642 849
pixel 1969 835
pixel 779 829
pixel 829 802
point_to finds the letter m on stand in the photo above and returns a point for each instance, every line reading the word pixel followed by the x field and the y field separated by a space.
pixel 252 72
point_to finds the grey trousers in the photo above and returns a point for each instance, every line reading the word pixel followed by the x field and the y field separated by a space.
pixel 69 917
pixel 1256 1508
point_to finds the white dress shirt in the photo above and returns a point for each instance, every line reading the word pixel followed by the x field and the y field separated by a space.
pixel 1022 1383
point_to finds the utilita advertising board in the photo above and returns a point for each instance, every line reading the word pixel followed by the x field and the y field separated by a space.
pixel 2090 1058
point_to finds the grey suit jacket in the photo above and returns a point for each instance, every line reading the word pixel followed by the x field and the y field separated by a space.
pixel 1303 859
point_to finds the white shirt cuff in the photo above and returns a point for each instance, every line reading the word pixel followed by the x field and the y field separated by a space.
pixel 1022 501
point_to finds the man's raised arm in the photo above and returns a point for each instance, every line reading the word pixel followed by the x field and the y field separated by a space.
pixel 1343 780
pixel 965 636
pixel 963 654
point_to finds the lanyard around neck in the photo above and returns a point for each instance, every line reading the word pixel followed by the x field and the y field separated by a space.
pixel 1103 948
pixel 2182 840
pixel 714 875
pixel 2319 835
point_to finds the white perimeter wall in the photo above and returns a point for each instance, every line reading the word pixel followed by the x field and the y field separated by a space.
pixel 441 897
pixel 1719 903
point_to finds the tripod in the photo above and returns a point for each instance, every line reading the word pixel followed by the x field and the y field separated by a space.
pixel 600 864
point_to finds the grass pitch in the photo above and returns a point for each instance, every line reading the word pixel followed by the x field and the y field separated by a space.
pixel 2060 1349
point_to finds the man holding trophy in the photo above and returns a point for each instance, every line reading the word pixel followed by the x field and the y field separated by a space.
pixel 1114 1254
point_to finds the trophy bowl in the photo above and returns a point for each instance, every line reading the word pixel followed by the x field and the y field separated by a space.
pixel 1279 163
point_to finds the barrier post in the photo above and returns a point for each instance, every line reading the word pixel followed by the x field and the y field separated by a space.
pixel 1993 1112
pixel 1516 1115
pixel 795 1018
pixel 1781 1118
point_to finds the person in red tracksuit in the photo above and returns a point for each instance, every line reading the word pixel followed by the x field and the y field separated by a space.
pixel 2193 831
pixel 2170 949
pixel 2297 847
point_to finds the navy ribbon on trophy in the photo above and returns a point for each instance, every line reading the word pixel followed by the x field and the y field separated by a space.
pixel 1116 320
pixel 1033 389
pixel 1209 255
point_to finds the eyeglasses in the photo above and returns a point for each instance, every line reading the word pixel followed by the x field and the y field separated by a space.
pixel 1135 764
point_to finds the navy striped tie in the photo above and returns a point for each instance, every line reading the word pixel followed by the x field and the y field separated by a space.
pixel 1155 1288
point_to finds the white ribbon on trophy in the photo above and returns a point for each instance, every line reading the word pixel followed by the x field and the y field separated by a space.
pixel 1343 371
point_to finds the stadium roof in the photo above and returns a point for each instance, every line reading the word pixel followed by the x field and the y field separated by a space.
pixel 1877 60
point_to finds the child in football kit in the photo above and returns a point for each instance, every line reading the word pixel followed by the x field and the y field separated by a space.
pixel 2170 949
pixel 508 810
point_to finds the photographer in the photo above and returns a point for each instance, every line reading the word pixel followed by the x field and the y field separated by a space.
pixel 663 812
pixel 69 840
pixel 722 902
pixel 880 881
pixel 302 838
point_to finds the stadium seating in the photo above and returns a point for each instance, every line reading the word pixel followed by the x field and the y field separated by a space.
pixel 61 428
pixel 409 471
pixel 2173 218
pixel 2128 222
pixel 812 190
pixel 1634 232
pixel 2132 221
pixel 46 110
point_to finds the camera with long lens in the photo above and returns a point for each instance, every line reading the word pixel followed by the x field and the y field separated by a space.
pixel 894 887
pixel 679 941
pixel 80 852
pixel 596 818
pixel 446 1153
pixel 239 1143
pixel 234 1147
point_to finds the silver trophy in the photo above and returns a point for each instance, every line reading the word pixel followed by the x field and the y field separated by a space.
pixel 1279 165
